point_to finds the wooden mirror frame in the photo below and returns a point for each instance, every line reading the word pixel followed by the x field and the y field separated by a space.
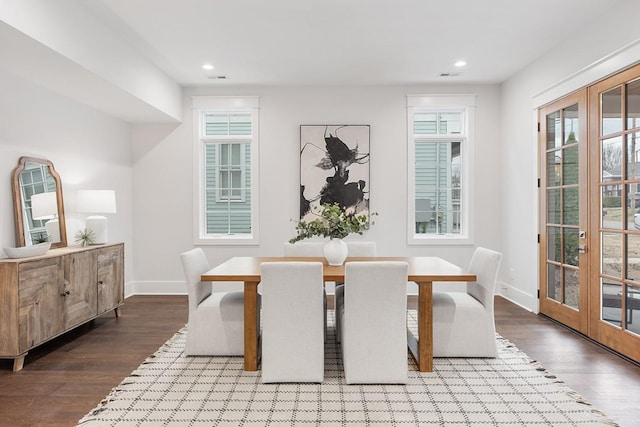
pixel 18 202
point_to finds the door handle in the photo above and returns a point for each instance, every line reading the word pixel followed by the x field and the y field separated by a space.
pixel 582 249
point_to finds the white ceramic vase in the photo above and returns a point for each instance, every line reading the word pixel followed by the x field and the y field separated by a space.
pixel 335 251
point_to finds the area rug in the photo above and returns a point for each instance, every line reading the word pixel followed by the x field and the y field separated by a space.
pixel 171 389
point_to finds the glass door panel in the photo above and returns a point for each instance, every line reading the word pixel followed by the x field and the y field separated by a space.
pixel 632 308
pixel 612 255
pixel 564 198
pixel 611 118
pixel 572 287
pixel 633 258
pixel 615 112
pixel 611 302
pixel 633 104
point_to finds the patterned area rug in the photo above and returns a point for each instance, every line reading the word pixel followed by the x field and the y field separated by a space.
pixel 170 389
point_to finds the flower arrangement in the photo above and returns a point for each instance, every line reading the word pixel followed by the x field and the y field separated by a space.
pixel 334 223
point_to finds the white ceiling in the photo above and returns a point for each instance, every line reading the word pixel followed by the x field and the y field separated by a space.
pixel 345 42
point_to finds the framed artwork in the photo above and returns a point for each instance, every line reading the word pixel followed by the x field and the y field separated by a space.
pixel 334 168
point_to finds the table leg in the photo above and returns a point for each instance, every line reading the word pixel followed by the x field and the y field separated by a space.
pixel 424 351
pixel 251 326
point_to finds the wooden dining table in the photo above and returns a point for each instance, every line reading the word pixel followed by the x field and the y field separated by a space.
pixel 422 270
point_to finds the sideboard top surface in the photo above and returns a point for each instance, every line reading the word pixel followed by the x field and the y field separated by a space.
pixel 59 252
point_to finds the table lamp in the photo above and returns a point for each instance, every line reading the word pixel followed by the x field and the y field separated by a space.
pixel 44 206
pixel 97 202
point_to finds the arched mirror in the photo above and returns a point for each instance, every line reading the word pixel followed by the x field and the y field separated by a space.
pixel 38 204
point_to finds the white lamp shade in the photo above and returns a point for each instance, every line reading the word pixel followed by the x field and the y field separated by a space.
pixel 44 206
pixel 96 201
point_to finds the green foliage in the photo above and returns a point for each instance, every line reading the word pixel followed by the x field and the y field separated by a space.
pixel 612 201
pixel 335 224
pixel 40 238
pixel 85 237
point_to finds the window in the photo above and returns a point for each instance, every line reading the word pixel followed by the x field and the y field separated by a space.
pixel 226 153
pixel 35 179
pixel 439 167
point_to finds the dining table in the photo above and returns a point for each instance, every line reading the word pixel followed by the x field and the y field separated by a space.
pixel 423 270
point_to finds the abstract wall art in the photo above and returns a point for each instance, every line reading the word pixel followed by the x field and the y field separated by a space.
pixel 334 168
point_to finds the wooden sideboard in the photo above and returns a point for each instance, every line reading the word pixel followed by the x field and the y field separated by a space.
pixel 42 297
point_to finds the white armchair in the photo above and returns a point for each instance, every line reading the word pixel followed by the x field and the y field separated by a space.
pixel 374 322
pixel 463 322
pixel 292 325
pixel 356 249
pixel 216 319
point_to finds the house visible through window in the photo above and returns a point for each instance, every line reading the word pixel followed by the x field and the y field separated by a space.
pixel 230 172
pixel 226 158
pixel 438 170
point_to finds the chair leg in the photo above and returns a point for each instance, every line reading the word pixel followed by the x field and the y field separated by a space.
pixel 325 315
pixel 339 294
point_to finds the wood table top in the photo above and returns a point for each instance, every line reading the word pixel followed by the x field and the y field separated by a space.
pixel 421 269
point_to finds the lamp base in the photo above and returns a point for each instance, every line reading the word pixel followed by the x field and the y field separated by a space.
pixel 97 224
pixel 53 230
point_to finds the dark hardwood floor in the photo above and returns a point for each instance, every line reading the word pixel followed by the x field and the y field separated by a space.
pixel 66 378
pixel 609 382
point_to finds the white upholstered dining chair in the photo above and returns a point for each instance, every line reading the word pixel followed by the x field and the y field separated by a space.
pixel 216 319
pixel 309 249
pixel 361 249
pixel 463 322
pixel 374 322
pixel 356 249
pixel 304 249
pixel 292 322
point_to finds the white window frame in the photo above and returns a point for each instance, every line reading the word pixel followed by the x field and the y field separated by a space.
pixel 202 105
pixel 432 104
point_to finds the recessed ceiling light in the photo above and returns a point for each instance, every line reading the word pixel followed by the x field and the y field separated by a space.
pixel 207 67
pixel 460 63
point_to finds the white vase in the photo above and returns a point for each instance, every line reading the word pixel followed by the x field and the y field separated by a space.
pixel 335 251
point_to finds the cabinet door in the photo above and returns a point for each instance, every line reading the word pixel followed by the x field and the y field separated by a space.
pixel 80 291
pixel 41 301
pixel 110 278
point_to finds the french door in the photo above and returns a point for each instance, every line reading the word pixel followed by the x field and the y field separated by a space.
pixel 564 261
pixel 614 134
pixel 589 146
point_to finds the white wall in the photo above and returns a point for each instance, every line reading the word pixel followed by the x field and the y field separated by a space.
pixel 150 166
pixel 84 59
pixel 89 149
pixel 599 49
pixel 163 174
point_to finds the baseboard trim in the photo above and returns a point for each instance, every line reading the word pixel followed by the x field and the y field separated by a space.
pixel 516 296
pixel 155 288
